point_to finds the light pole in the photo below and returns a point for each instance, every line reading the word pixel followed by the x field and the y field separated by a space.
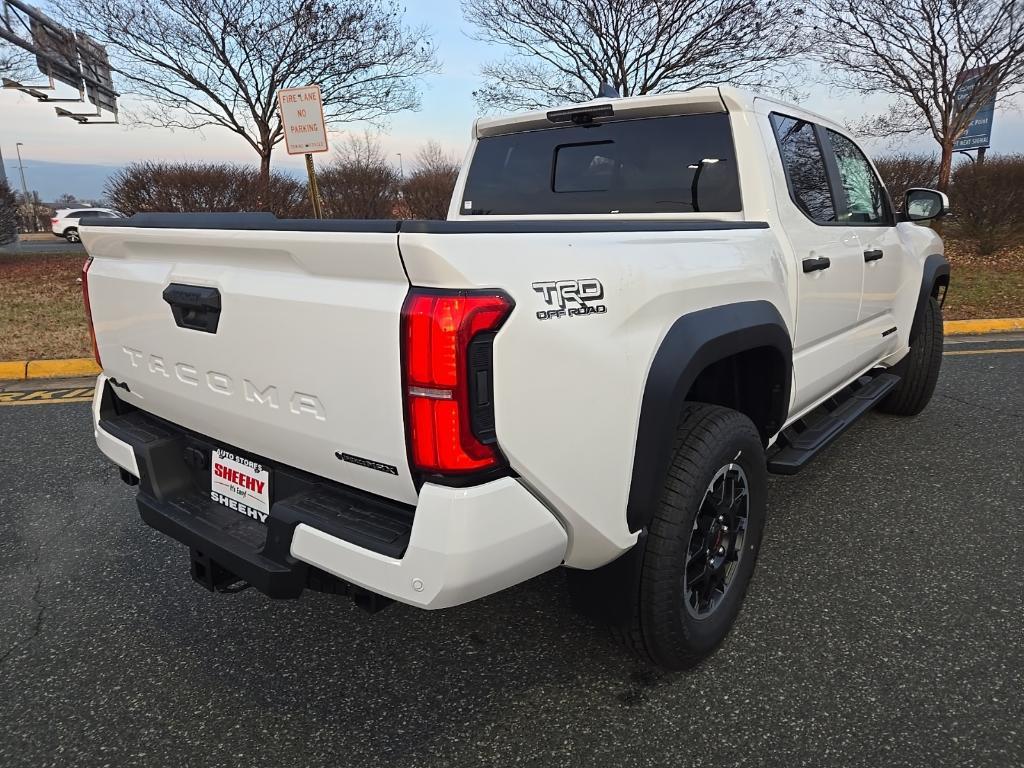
pixel 24 186
pixel 401 170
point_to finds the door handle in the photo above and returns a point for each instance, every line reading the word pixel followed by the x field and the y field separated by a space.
pixel 874 255
pixel 196 307
pixel 813 265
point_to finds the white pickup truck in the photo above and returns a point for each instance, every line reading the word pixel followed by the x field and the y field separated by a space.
pixel 636 309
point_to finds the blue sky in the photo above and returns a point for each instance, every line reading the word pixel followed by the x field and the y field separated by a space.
pixel 447 113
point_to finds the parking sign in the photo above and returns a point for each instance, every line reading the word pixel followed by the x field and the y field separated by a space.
pixel 302 115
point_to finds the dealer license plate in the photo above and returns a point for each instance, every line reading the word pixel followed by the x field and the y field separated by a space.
pixel 240 484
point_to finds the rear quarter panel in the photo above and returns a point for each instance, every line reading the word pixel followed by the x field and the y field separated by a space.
pixel 568 390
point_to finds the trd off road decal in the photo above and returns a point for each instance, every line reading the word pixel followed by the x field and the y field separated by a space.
pixel 571 298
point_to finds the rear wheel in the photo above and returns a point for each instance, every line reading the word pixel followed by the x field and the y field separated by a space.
pixel 71 235
pixel 702 543
pixel 919 370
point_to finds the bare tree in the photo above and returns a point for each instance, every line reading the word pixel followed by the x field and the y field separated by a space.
pixel 917 53
pixel 359 183
pixel 14 63
pixel 65 200
pixel 428 190
pixel 200 63
pixel 562 50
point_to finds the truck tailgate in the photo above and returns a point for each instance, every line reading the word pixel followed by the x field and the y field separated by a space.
pixel 304 365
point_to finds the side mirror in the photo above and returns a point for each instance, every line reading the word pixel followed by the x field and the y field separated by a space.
pixel 923 204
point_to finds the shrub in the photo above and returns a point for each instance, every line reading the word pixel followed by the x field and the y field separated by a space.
pixel 359 183
pixel 987 201
pixel 8 214
pixel 202 187
pixel 428 190
pixel 902 171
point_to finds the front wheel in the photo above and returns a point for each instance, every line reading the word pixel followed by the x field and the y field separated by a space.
pixel 702 543
pixel 919 370
pixel 72 236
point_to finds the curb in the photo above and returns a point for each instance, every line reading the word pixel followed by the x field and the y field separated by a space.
pixel 972 327
pixel 19 370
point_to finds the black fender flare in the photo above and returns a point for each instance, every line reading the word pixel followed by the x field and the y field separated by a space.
pixel 694 342
pixel 935 271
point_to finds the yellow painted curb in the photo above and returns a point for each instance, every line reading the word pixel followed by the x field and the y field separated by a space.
pixel 965 327
pixel 19 370
pixel 54 369
pixel 13 370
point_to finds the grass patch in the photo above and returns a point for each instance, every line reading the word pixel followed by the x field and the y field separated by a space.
pixel 41 314
pixel 982 292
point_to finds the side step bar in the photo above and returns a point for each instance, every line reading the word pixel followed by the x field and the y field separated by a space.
pixel 802 441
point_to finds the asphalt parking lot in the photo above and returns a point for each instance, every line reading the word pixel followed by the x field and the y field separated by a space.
pixel 885 626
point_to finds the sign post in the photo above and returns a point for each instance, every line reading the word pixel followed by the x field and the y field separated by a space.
pixel 978 134
pixel 305 132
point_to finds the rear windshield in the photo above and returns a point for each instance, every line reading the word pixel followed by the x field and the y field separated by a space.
pixel 678 164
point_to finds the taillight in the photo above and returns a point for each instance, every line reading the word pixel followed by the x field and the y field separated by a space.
pixel 88 309
pixel 446 342
pixel 53 221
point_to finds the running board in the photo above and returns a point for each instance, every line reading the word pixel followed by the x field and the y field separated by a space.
pixel 802 441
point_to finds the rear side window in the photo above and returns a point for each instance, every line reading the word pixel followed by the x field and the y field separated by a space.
pixel 805 167
pixel 679 164
pixel 865 198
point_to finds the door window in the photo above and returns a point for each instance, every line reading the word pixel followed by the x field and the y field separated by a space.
pixel 865 201
pixel 805 167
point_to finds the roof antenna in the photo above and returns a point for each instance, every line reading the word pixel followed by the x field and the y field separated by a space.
pixel 606 91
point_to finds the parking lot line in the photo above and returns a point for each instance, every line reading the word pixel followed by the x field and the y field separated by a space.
pixel 984 351
pixel 47 396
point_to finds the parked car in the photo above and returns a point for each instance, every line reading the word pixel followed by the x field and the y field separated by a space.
pixel 636 310
pixel 65 222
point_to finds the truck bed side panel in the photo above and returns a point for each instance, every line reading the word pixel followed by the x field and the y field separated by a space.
pixel 568 389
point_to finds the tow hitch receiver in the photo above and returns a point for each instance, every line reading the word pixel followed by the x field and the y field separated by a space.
pixel 211 575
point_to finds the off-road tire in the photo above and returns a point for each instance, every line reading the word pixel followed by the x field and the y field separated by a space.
pixel 919 370
pixel 661 629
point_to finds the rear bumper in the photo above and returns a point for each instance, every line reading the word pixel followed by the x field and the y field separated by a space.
pixel 458 544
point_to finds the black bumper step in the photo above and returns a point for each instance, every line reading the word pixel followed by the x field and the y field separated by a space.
pixel 803 441
pixel 227 546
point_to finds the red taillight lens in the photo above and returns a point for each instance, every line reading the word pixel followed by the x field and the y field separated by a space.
pixel 438 328
pixel 88 309
pixel 53 221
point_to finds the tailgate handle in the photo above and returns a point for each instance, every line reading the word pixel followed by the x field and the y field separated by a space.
pixel 196 307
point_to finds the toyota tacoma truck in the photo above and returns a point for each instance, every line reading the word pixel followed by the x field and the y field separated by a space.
pixel 636 309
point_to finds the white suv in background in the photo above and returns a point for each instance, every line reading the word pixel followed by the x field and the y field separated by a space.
pixel 65 221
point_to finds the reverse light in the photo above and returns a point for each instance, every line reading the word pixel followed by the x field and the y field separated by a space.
pixel 446 341
pixel 88 309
